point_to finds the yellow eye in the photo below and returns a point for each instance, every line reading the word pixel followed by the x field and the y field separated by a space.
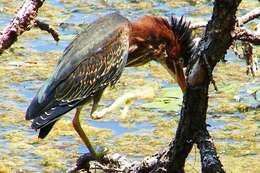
pixel 181 61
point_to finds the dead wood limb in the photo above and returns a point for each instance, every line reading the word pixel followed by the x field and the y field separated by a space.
pixel 249 16
pixel 247 35
pixel 241 20
pixel 198 25
pixel 46 27
pixel 213 46
pixel 240 33
pixel 209 158
pixel 21 22
pixel 117 163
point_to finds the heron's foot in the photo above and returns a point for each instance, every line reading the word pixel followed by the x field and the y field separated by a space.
pixel 98 115
pixel 83 162
pixel 101 152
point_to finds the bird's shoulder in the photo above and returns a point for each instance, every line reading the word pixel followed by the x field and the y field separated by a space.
pixel 90 41
pixel 89 47
pixel 102 68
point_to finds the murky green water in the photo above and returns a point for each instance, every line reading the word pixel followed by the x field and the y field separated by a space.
pixel 150 124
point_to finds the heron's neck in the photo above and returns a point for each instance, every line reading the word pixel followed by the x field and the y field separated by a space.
pixel 151 37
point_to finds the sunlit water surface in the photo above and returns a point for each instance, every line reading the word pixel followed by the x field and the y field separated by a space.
pixel 233 114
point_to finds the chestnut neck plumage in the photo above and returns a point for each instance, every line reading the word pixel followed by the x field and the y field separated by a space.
pixel 152 38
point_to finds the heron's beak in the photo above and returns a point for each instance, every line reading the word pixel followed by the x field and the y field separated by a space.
pixel 179 75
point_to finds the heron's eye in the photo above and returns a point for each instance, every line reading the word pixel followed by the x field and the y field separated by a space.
pixel 181 61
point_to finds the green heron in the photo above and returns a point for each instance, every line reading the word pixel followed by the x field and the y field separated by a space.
pixel 96 58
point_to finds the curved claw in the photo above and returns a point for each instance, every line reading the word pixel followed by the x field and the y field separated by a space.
pixel 101 152
pixel 98 115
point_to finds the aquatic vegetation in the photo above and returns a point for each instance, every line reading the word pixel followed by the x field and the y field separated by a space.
pixel 134 5
pixel 170 100
pixel 150 124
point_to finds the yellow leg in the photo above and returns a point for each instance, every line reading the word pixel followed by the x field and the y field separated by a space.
pixel 80 131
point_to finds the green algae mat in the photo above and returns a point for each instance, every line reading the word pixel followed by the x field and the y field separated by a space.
pixel 149 124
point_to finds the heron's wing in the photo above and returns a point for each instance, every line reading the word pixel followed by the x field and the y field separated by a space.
pixel 86 44
pixel 91 76
pixel 70 86
pixel 96 72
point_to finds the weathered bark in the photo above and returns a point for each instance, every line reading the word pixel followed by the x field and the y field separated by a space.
pixel 244 34
pixel 209 160
pixel 22 22
pixel 117 163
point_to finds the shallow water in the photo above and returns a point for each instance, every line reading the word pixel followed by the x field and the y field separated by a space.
pixel 233 116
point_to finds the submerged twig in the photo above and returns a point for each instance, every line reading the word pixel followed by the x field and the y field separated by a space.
pixel 46 27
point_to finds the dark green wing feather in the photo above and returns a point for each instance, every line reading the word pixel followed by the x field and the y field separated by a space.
pixel 85 68
pixel 87 43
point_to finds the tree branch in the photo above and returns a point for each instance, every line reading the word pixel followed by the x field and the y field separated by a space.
pixel 198 25
pixel 240 33
pixel 212 46
pixel 20 23
pixel 209 159
pixel 241 20
pixel 249 16
pixel 244 34
pixel 119 162
pixel 46 27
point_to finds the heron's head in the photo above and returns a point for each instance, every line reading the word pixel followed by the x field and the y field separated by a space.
pixel 180 49
pixel 170 43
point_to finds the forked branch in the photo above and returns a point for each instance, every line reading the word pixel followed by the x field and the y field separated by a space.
pixel 240 33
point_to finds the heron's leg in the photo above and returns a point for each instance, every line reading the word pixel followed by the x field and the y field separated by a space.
pixel 96 99
pixel 81 133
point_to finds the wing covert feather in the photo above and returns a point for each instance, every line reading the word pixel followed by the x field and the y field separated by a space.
pixel 96 72
pixel 85 45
